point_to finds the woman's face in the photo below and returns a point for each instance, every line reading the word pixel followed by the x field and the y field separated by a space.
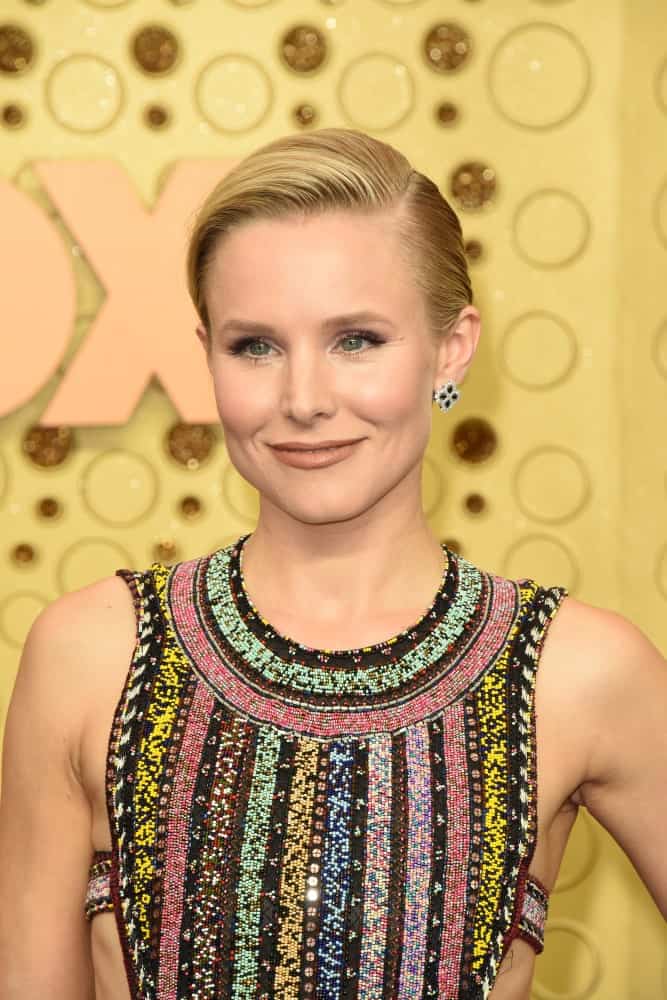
pixel 304 375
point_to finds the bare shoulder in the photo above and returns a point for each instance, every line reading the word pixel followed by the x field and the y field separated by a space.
pixel 66 654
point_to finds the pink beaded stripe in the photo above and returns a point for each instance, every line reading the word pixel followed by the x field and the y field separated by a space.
pixel 378 846
pixel 419 862
pixel 213 665
pixel 180 807
pixel 458 847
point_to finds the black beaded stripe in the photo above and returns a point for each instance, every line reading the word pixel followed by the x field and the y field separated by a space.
pixel 275 848
pixel 354 916
pixel 439 820
pixel 397 868
pixel 201 932
pixel 473 756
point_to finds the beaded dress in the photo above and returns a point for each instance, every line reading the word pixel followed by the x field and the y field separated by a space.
pixel 298 824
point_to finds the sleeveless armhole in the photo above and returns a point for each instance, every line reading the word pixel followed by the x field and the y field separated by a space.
pixel 144 661
pixel 532 898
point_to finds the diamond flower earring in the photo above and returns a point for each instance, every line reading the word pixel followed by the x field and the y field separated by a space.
pixel 446 396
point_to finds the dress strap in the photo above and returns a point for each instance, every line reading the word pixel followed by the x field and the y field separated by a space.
pixel 534 913
pixel 98 894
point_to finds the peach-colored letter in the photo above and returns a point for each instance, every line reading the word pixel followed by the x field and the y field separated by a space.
pixel 38 297
pixel 146 324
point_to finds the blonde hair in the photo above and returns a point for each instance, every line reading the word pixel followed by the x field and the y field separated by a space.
pixel 332 169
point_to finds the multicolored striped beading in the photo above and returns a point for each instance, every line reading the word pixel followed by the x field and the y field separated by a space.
pixel 300 824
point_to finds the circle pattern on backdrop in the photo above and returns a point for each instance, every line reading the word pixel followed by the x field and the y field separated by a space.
pixel 661 86
pixel 84 93
pixel 17 614
pixel 661 571
pixel 88 560
pixel 376 91
pixel 551 228
pixel 539 75
pixel 660 348
pixel 580 856
pixel 155 49
pixel 119 487
pixel 17 49
pixel 661 213
pixel 190 444
pixel 577 978
pixel 546 559
pixel 538 350
pixel 474 440
pixel 47 446
pixel 551 484
pixel 233 93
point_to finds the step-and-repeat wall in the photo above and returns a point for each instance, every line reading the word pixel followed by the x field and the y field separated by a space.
pixel 543 121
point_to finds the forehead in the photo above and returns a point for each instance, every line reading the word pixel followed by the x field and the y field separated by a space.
pixel 341 256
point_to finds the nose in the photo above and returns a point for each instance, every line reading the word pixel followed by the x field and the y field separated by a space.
pixel 308 387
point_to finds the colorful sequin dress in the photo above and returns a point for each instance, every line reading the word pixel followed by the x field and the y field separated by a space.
pixel 297 824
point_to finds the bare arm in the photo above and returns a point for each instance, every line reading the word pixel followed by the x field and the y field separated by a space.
pixel 626 775
pixel 45 841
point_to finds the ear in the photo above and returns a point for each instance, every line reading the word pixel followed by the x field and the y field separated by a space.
pixel 457 349
pixel 203 339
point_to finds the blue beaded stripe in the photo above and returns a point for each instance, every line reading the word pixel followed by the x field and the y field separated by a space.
pixel 302 676
pixel 335 871
pixel 253 853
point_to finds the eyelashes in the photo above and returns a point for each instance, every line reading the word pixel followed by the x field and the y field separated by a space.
pixel 239 347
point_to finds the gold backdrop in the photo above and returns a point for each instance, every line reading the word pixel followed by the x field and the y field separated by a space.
pixel 544 121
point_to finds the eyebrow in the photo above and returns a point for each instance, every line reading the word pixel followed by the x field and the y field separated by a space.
pixel 248 326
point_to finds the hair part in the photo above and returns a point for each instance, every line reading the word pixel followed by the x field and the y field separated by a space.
pixel 339 169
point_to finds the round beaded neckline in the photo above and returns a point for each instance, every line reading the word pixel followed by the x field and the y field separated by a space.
pixel 252 616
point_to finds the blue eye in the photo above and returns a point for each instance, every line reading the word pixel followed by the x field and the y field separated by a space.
pixel 241 347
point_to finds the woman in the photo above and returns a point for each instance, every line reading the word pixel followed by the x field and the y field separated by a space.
pixel 297 772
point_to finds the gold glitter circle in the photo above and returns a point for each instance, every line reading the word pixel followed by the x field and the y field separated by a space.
pixel 474 440
pixel 47 446
pixel 155 49
pixel 190 444
pixel 447 47
pixel 473 184
pixel 303 48
pixel 17 49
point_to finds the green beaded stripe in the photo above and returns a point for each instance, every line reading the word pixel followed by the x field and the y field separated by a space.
pixel 307 677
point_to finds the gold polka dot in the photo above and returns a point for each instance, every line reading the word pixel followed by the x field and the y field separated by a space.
pixel 190 507
pixel 155 49
pixel 473 184
pixel 474 440
pixel 305 114
pixel 156 116
pixel 24 554
pixel 13 115
pixel 453 544
pixel 303 48
pixel 165 551
pixel 447 46
pixel 48 507
pixel 447 113
pixel 17 49
pixel 47 446
pixel 473 249
pixel 475 503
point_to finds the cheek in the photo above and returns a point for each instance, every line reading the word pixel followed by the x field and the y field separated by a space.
pixel 240 405
pixel 394 394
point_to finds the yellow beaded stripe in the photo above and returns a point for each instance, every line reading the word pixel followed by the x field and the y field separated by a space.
pixel 295 887
pixel 157 738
